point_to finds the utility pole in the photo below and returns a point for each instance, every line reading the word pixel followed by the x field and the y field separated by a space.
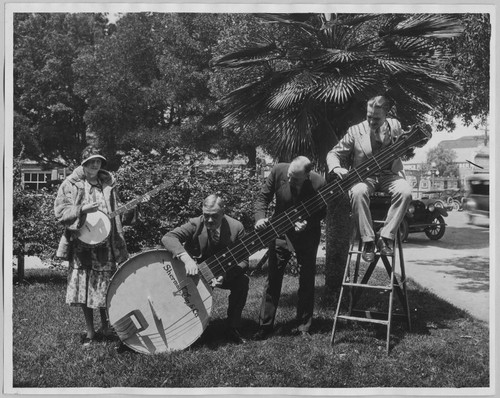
pixel 486 138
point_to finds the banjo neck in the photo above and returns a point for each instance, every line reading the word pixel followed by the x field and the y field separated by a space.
pixel 134 202
pixel 221 262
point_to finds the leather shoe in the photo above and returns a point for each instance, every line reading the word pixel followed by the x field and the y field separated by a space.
pixel 262 334
pixel 234 335
pixel 369 251
pixel 385 247
pixel 302 333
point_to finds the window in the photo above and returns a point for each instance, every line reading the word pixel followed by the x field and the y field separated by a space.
pixel 35 180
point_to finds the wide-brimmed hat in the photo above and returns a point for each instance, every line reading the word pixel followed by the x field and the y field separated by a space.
pixel 90 153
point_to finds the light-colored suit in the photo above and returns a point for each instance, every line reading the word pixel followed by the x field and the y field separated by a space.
pixel 352 150
pixel 355 147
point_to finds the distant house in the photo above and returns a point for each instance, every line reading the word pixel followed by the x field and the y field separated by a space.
pixel 471 154
pixel 468 149
pixel 34 176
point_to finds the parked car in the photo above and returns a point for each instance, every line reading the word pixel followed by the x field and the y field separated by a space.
pixel 477 198
pixel 422 216
pixel 438 198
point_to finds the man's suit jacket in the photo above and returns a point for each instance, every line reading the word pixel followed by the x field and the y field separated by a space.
pixel 355 147
pixel 277 185
pixel 192 237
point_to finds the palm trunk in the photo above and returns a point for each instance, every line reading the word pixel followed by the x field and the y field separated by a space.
pixel 339 228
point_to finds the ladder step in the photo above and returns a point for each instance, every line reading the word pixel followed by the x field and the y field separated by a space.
pixel 361 319
pixel 376 253
pixel 388 288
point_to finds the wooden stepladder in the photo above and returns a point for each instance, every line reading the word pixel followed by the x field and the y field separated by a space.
pixel 354 285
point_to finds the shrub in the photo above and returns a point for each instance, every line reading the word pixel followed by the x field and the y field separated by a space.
pixel 35 230
pixel 191 182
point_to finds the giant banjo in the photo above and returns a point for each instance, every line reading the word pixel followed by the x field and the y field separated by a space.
pixel 155 307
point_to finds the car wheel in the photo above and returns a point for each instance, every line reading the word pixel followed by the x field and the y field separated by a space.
pixel 456 205
pixel 436 231
pixel 439 203
pixel 404 230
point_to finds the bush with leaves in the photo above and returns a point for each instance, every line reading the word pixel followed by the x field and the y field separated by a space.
pixel 35 230
pixel 189 181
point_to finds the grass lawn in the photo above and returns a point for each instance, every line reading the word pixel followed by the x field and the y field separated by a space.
pixel 446 347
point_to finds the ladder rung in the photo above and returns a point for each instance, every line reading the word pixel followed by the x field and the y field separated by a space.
pixel 367 286
pixel 377 253
pixel 361 319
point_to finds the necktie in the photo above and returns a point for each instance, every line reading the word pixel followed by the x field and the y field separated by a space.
pixel 214 236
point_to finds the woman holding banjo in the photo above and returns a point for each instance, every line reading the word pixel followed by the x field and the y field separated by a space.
pixel 88 191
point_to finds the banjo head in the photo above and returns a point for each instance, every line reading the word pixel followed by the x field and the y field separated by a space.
pixel 154 306
pixel 95 230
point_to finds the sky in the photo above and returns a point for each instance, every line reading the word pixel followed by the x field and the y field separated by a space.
pixel 438 136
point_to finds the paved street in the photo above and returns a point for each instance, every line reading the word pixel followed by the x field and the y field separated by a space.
pixel 455 268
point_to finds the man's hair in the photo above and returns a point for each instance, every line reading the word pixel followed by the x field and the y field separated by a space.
pixel 301 163
pixel 380 102
pixel 214 200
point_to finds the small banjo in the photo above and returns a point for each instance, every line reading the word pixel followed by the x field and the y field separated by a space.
pixel 97 225
pixel 155 307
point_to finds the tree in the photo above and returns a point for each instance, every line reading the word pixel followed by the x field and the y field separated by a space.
pixel 48 114
pixel 469 65
pixel 443 160
pixel 246 138
pixel 312 84
pixel 147 84
pixel 115 76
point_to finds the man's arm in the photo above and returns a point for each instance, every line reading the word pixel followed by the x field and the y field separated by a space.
pixel 175 239
pixel 340 152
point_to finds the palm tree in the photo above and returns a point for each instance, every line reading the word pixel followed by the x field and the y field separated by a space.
pixel 312 81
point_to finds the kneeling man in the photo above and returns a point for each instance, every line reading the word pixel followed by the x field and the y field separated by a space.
pixel 204 236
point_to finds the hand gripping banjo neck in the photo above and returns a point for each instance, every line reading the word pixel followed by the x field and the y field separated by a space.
pixel 97 225
pixel 134 202
pixel 224 260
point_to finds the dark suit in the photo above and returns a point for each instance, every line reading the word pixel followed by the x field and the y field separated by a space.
pixel 305 244
pixel 192 237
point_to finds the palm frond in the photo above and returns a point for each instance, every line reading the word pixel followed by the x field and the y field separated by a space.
pixel 426 25
pixel 298 84
pixel 332 55
pixel 340 88
pixel 248 56
pixel 297 20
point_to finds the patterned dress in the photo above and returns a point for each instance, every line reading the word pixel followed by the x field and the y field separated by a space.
pixel 90 269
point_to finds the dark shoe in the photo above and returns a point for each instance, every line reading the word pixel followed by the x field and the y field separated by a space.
pixel 120 348
pixel 262 334
pixel 302 333
pixel 369 251
pixel 87 341
pixel 385 247
pixel 106 333
pixel 234 335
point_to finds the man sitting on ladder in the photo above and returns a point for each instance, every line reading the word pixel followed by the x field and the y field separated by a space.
pixel 362 141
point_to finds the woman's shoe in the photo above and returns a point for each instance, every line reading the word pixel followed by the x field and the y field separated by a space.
pixel 87 341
